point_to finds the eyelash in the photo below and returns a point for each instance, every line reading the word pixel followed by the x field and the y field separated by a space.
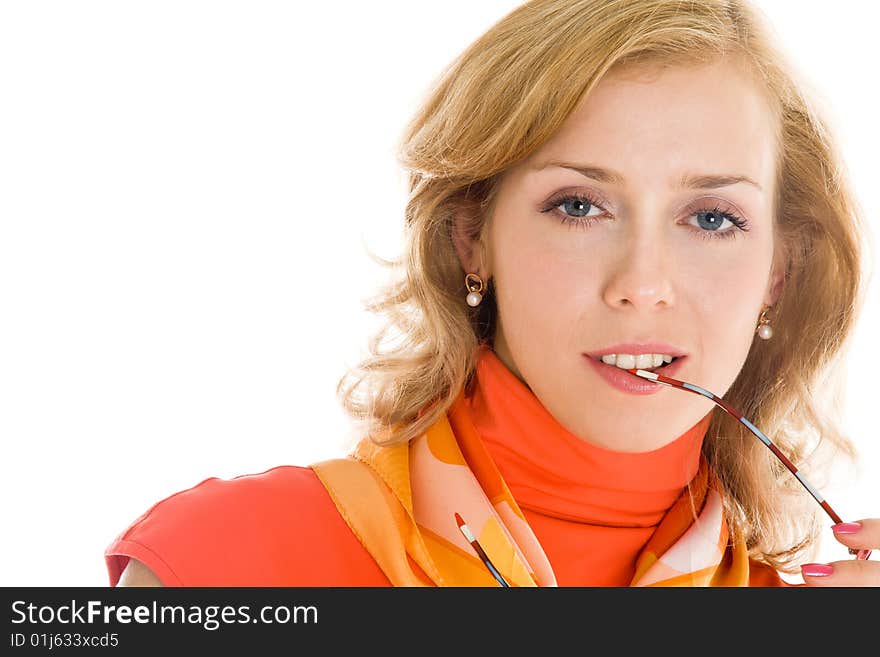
pixel 741 224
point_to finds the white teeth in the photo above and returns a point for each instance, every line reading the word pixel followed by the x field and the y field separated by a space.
pixel 640 361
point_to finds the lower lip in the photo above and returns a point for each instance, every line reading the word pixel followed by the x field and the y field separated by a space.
pixel 632 383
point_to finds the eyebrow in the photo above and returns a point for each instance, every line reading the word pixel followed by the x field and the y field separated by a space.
pixel 687 181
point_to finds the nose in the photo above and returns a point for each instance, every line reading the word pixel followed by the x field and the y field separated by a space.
pixel 640 274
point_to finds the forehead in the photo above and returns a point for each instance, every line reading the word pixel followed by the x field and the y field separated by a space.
pixel 654 123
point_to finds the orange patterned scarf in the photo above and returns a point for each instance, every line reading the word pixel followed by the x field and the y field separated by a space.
pixel 401 501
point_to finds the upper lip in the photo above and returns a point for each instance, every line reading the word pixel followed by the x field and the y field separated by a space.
pixel 637 348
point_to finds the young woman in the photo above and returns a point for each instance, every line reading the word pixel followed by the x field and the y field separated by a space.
pixel 597 187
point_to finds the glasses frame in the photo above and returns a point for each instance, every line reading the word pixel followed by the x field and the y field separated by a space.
pixel 730 410
pixel 697 390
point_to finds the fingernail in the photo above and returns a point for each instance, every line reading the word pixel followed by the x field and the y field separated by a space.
pixel 846 527
pixel 816 569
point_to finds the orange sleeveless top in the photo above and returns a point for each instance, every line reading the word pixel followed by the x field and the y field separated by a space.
pixel 592 509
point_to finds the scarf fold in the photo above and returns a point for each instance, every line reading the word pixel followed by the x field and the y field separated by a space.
pixel 401 501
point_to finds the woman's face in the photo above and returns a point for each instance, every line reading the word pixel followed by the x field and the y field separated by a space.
pixel 583 261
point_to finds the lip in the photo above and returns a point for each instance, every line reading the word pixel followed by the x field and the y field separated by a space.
pixel 637 348
pixel 631 383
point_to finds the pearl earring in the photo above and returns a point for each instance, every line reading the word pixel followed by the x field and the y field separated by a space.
pixel 475 288
pixel 764 330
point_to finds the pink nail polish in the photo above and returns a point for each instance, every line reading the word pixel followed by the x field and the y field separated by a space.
pixel 846 527
pixel 816 569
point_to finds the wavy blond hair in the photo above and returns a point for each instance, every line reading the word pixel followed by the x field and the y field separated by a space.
pixel 496 104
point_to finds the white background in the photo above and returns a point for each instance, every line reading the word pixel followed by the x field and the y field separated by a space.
pixel 187 193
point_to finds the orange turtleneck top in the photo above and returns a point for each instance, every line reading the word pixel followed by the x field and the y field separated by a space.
pixel 592 509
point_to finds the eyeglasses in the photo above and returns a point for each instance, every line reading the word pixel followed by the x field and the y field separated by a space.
pixel 697 390
pixel 468 534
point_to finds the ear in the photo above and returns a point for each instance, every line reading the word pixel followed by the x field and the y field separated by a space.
pixel 468 248
pixel 778 276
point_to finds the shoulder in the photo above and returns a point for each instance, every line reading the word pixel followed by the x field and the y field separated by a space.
pixel 274 528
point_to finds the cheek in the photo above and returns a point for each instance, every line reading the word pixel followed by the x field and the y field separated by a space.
pixel 726 307
pixel 541 289
pixel 729 290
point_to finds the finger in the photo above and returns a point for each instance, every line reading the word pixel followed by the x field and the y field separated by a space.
pixel 860 534
pixel 842 573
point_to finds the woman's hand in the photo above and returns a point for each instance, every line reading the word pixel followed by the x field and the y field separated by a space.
pixel 861 535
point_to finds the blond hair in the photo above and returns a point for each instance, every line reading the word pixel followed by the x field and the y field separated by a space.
pixel 496 104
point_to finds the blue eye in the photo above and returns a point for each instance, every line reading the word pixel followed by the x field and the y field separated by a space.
pixel 576 210
pixel 714 218
pixel 580 206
